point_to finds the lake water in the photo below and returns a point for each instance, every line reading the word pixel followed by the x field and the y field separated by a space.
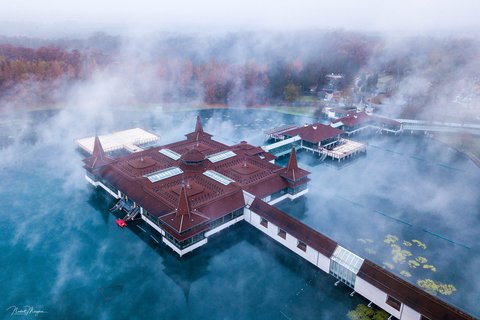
pixel 62 252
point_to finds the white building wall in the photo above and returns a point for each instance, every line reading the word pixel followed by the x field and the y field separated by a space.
pixel 375 295
pixel 98 183
pixel 153 225
pixel 290 242
pixel 186 250
pixel 248 197
pixel 247 214
pixel 323 263
pixel 409 314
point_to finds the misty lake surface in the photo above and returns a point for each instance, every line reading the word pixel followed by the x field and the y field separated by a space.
pixel 62 253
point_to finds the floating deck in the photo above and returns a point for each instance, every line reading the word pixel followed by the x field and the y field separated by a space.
pixel 345 149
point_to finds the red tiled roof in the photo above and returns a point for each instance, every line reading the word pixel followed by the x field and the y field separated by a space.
pixel 315 133
pixel 292 226
pixel 182 222
pixel 354 119
pixel 266 187
pixel 293 172
pixel 98 157
pixel 414 297
pixel 206 198
pixel 193 155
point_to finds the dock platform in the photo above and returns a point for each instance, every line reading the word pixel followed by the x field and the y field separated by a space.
pixel 132 140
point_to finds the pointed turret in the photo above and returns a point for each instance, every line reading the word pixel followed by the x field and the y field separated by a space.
pixel 293 173
pixel 98 157
pixel 198 125
pixel 292 162
pixel 183 205
pixel 198 134
pixel 97 148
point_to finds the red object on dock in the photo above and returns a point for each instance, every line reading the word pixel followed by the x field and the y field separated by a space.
pixel 121 223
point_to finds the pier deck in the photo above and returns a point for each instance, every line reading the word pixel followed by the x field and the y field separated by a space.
pixel 130 140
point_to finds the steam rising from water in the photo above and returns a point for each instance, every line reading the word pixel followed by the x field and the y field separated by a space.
pixel 49 229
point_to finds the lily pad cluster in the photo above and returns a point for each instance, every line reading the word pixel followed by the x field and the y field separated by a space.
pixel 433 287
pixel 402 256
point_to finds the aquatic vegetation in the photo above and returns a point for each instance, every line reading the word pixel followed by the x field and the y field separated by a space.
pixel 389 265
pixel 390 239
pixel 365 240
pixel 407 243
pixel 420 244
pixel 395 247
pixel 434 287
pixel 399 255
pixel 430 267
pixel 413 264
pixel 362 312
pixel 405 273
pixel 421 260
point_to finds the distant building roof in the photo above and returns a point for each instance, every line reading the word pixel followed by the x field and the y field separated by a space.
pixel 358 118
pixel 315 133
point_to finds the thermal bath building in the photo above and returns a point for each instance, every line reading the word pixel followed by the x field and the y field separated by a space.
pixel 189 190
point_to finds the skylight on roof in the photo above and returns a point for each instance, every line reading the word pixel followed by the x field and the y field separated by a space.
pixel 169 153
pixel 218 177
pixel 163 174
pixel 347 259
pixel 221 156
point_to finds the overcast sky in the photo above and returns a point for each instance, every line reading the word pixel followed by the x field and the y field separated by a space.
pixel 141 15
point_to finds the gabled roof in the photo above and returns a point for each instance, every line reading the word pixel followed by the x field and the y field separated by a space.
pixel 407 293
pixel 314 133
pixel 292 226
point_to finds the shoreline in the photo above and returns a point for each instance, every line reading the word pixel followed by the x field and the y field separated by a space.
pixel 308 112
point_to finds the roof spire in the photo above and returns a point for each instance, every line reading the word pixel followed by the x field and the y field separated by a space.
pixel 183 205
pixel 198 125
pixel 97 148
pixel 292 162
pixel 98 157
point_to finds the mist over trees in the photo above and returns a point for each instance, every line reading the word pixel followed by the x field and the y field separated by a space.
pixel 243 69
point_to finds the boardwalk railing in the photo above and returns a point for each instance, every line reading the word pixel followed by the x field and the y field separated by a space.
pixel 438 126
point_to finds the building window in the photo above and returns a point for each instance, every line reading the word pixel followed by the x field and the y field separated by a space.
pixel 264 222
pixel 394 303
pixel 302 246
pixel 282 234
